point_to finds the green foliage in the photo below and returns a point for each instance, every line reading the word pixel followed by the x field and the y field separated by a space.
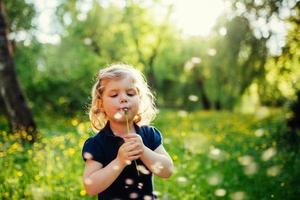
pixel 216 71
pixel 216 155
pixel 19 18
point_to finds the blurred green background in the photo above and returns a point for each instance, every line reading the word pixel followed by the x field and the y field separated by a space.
pixel 225 74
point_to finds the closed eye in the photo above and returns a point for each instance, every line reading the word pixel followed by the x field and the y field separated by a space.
pixel 131 94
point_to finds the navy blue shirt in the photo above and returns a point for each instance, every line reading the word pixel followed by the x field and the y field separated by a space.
pixel 104 147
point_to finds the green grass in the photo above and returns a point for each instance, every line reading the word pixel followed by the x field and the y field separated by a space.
pixel 217 155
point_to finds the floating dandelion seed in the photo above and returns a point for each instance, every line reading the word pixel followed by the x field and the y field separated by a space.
pixel 188 66
pixel 259 132
pixel 196 60
pixel 215 152
pixel 147 197
pixel 220 192
pixel 129 181
pixel 88 181
pixel 140 185
pixel 181 179
pixel 156 193
pixel 238 195
pixel 157 167
pixel 245 160
pixel 133 195
pixel 214 179
pixel 193 98
pixel 251 169
pixel 182 113
pixel 274 170
pixel 87 41
pixel 268 154
pixel 128 162
pixel 87 156
pixel 212 52
pixel 116 167
pixel 223 31
pixel 143 169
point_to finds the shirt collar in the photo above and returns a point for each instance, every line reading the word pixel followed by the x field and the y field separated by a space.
pixel 108 132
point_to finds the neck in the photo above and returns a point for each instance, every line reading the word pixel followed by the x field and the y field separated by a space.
pixel 121 128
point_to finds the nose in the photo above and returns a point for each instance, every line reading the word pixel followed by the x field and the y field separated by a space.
pixel 123 99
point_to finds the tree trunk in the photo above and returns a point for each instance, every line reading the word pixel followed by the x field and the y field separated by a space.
pixel 204 99
pixel 18 113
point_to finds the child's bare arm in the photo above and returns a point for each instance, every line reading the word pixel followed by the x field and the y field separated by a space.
pixel 97 178
pixel 158 161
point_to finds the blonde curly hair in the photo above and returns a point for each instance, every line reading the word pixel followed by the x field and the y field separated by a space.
pixel 147 109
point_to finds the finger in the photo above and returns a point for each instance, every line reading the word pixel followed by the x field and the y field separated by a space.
pixel 135 152
pixel 130 135
pixel 133 147
pixel 134 157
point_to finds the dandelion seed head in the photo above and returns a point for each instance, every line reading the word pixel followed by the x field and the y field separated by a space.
pixel 118 115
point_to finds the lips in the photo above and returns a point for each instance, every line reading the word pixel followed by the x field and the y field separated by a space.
pixel 125 108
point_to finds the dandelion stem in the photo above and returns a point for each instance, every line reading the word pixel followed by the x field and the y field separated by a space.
pixel 126 115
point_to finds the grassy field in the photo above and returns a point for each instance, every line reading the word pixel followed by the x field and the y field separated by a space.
pixel 216 156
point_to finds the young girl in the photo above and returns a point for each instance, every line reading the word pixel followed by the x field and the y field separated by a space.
pixel 121 158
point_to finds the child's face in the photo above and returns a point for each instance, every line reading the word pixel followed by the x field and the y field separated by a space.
pixel 119 94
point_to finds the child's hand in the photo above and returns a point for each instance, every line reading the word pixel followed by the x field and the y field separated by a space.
pixel 136 139
pixel 131 150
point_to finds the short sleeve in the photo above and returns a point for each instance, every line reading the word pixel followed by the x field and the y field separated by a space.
pixel 155 138
pixel 92 150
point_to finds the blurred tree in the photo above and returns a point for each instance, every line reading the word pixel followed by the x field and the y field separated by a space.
pixel 18 112
pixel 147 36
pixel 239 59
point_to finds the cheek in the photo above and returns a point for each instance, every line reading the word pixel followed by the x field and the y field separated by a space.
pixel 107 103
